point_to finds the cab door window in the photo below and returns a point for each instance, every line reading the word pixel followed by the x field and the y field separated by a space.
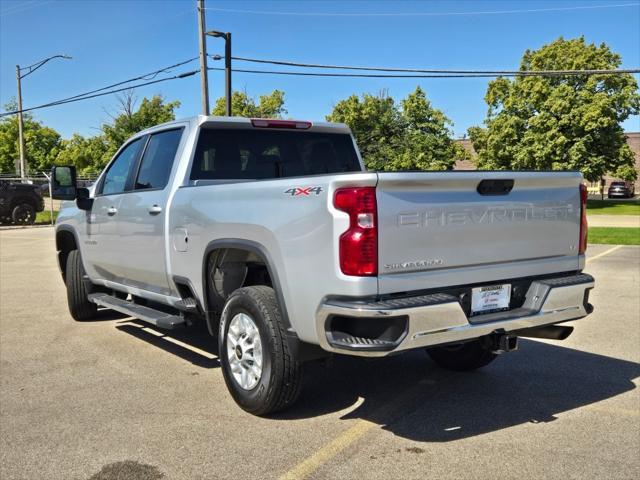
pixel 115 180
pixel 155 167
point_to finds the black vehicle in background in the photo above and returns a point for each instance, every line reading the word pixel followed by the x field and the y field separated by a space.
pixel 19 202
pixel 621 189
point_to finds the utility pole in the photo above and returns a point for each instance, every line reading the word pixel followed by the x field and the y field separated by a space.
pixel 204 81
pixel 23 163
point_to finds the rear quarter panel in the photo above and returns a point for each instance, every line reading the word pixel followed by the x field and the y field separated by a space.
pixel 299 232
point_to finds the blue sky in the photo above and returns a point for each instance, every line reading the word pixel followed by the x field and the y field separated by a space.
pixel 114 40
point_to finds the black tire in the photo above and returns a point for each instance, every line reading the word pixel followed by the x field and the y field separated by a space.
pixel 281 378
pixel 23 214
pixel 79 307
pixel 462 357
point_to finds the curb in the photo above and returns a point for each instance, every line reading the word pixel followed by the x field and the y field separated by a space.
pixel 22 227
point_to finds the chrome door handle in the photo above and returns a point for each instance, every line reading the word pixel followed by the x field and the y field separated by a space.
pixel 111 211
pixel 155 210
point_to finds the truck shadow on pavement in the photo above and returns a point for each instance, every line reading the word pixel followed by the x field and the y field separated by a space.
pixel 413 398
pixel 196 336
pixel 410 396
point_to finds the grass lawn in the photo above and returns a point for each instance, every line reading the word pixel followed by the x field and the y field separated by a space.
pixel 614 236
pixel 613 207
pixel 44 217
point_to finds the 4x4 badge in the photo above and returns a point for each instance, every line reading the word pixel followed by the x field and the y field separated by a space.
pixel 303 191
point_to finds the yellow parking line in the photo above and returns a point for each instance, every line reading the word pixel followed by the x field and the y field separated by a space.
pixel 611 250
pixel 326 453
pixel 358 430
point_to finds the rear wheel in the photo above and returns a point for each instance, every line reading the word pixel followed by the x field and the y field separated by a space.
pixel 79 306
pixel 23 214
pixel 463 357
pixel 261 373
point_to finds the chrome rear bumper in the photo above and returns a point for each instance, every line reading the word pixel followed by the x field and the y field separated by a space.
pixel 437 319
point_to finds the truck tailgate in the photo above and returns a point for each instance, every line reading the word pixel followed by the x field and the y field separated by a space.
pixel 436 229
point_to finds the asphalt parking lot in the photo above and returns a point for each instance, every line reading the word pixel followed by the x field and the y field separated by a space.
pixel 113 398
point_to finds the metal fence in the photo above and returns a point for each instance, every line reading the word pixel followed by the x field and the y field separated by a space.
pixel 43 182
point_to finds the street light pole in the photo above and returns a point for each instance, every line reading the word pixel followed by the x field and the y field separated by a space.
pixel 227 72
pixel 19 76
pixel 227 66
pixel 23 165
pixel 204 80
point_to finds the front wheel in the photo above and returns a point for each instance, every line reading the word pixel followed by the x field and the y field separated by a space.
pixel 261 373
pixel 463 357
pixel 79 306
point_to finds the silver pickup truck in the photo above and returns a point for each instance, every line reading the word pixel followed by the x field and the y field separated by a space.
pixel 274 234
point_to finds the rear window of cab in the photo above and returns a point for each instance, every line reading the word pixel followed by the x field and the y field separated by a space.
pixel 263 154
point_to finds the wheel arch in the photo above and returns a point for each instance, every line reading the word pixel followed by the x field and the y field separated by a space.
pixel 66 241
pixel 253 248
pixel 22 198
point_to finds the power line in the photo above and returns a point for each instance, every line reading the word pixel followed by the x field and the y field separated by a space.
pixel 146 76
pixel 419 14
pixel 399 73
pixel 462 73
pixel 22 7
pixel 352 75
pixel 89 94
pixel 425 75
pixel 86 97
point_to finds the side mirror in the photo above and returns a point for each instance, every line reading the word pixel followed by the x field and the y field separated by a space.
pixel 63 183
pixel 83 200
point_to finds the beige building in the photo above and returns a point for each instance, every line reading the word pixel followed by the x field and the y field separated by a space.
pixel 633 139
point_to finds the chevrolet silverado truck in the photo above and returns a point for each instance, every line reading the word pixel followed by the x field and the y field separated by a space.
pixel 274 234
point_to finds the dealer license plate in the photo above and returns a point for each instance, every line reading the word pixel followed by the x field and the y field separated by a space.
pixel 490 299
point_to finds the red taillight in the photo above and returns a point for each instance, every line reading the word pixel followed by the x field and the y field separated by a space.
pixel 583 219
pixel 359 244
pixel 269 123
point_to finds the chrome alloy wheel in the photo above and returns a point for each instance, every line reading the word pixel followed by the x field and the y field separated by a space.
pixel 244 351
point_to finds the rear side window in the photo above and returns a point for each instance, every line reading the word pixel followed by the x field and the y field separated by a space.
pixel 255 154
pixel 115 180
pixel 157 160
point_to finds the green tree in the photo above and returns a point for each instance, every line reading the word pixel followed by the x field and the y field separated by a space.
pixel 87 154
pixel 41 143
pixel 130 121
pixel 242 105
pixel 428 142
pixel 410 136
pixel 560 122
